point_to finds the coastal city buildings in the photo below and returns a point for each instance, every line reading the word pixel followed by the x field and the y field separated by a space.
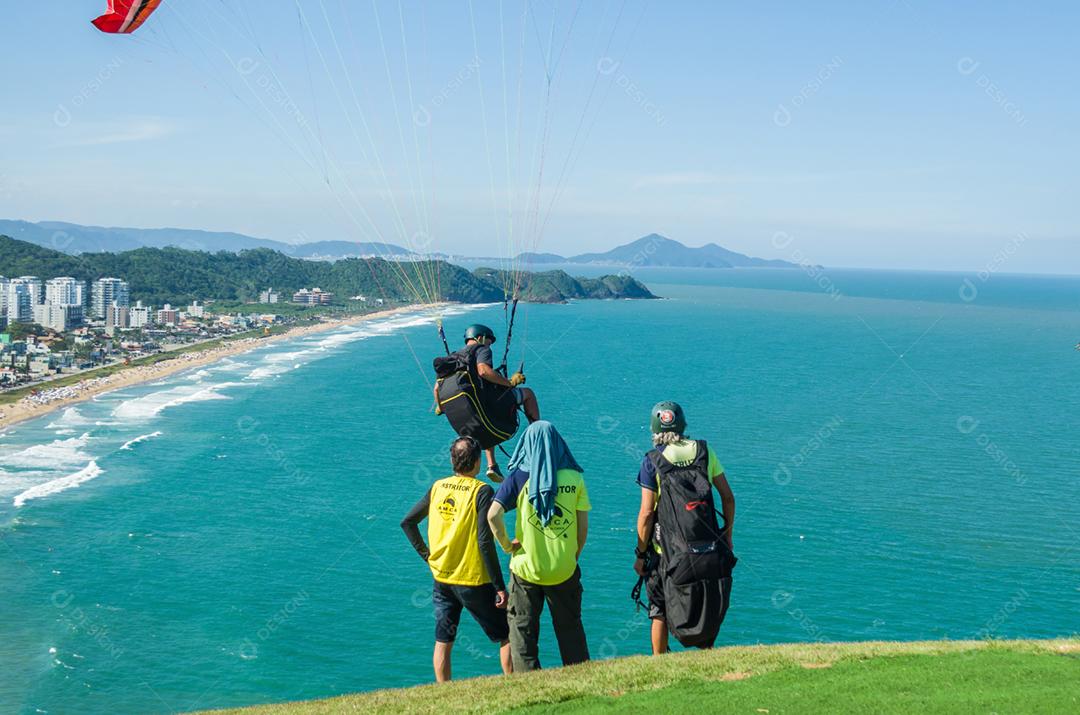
pixel 139 315
pixel 315 296
pixel 65 291
pixel 54 326
pixel 57 317
pixel 106 292
pixel 168 316
pixel 118 318
pixel 20 297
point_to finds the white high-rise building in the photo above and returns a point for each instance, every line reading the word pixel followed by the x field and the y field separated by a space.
pixel 108 291
pixel 3 299
pixel 139 315
pixel 60 318
pixel 36 288
pixel 20 299
pixel 65 291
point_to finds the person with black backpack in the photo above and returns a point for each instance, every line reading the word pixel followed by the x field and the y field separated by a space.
pixel 478 399
pixel 684 556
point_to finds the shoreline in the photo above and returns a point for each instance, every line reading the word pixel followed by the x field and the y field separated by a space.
pixel 27 409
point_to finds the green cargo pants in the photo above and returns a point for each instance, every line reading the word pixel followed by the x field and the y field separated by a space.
pixel 523 612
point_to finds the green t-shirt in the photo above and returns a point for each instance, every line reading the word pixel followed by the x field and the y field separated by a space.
pixel 681 454
pixel 548 554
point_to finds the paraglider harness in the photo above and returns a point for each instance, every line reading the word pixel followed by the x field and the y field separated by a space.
pixel 694 562
pixel 476 408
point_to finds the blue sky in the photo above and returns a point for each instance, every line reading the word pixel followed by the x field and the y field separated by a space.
pixel 879 134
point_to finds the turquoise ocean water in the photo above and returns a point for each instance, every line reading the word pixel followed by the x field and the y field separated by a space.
pixel 905 453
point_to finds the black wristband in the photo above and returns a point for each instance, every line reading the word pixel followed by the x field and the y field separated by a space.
pixel 641 553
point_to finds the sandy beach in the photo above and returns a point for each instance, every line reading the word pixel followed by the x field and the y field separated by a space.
pixel 48 399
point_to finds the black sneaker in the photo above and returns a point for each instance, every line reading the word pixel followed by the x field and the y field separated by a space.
pixel 494 473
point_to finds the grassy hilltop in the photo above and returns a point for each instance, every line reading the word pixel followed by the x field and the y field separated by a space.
pixel 886 677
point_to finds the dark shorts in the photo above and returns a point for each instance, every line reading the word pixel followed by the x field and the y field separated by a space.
pixel 449 600
pixel 654 587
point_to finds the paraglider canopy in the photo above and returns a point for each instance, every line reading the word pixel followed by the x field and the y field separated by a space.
pixel 125 16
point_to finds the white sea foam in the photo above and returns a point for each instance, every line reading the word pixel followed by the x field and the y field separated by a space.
pixel 141 438
pixel 90 471
pixel 15 482
pixel 261 373
pixel 153 404
pixel 57 454
pixel 336 340
pixel 407 322
pixel 229 365
pixel 286 356
pixel 71 417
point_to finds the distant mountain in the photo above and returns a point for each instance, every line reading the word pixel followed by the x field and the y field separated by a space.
pixel 175 275
pixel 345 249
pixel 75 239
pixel 657 250
pixel 529 258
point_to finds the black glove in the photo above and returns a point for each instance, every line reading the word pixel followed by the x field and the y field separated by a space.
pixel 643 564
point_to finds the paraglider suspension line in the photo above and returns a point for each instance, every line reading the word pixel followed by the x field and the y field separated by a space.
pixel 509 337
pixel 442 336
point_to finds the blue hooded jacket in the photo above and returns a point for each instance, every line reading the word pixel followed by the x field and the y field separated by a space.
pixel 542 452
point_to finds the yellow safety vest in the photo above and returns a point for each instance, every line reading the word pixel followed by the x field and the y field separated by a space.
pixel 452 533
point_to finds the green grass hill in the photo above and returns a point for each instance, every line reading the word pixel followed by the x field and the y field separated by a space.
pixel 875 677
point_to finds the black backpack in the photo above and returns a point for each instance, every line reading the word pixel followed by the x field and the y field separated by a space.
pixel 474 407
pixel 695 561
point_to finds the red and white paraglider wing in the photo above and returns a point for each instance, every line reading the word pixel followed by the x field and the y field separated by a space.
pixel 125 16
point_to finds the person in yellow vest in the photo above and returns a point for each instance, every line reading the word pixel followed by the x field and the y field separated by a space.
pixel 461 553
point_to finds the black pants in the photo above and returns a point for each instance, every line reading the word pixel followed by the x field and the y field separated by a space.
pixel 523 612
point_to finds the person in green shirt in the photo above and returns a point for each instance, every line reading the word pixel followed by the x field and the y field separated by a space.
pixel 547 490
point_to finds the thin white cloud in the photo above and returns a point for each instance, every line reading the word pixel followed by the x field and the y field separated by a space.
pixel 678 178
pixel 708 178
pixel 116 132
